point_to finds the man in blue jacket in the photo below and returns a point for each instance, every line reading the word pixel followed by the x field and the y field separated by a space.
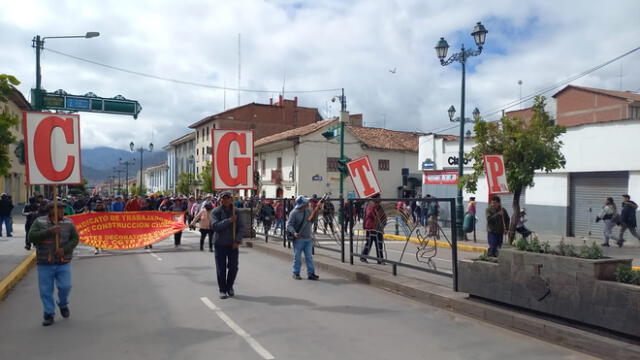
pixel 628 219
pixel 299 225
pixel 226 244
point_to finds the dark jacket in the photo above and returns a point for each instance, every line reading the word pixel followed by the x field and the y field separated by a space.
pixel 497 220
pixel 222 226
pixel 628 214
pixel 5 207
pixel 45 242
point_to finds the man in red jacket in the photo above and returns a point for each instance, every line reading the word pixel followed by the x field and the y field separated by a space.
pixel 375 221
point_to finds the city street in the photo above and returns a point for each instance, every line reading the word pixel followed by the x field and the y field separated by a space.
pixel 164 305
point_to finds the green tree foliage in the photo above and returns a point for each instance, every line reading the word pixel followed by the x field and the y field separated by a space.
pixel 205 175
pixel 186 182
pixel 527 147
pixel 7 121
pixel 79 189
pixel 138 190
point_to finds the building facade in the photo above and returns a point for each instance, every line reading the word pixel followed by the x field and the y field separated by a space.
pixel 15 183
pixel 264 119
pixel 180 159
pixel 600 147
pixel 303 161
pixel 156 178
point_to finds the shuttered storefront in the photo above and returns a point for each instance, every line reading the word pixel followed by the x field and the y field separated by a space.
pixel 587 194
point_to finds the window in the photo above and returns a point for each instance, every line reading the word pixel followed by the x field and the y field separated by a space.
pixel 208 150
pixel 203 153
pixel 197 136
pixel 264 167
pixel 383 165
pixel 332 164
pixel 634 113
pixel 197 152
pixel 279 163
pixel 207 133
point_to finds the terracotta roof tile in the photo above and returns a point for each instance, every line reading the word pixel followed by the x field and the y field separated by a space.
pixel 294 133
pixel 384 139
pixel 619 94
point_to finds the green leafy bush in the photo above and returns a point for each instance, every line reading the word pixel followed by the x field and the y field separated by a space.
pixel 625 274
pixel 593 251
pixel 485 257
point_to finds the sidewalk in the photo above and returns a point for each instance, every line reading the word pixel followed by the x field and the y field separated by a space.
pixel 588 340
pixel 15 261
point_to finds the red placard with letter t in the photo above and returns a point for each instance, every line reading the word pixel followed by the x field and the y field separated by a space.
pixel 232 162
pixel 496 174
pixel 52 148
pixel 363 177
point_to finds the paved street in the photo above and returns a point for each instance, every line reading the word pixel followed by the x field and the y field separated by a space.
pixel 164 305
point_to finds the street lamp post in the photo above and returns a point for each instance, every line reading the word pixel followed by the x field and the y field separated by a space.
pixel 126 174
pixel 141 150
pixel 479 35
pixel 118 172
pixel 38 43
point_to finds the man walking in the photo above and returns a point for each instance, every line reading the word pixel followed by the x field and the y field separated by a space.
pixel 224 222
pixel 497 223
pixel 375 220
pixel 55 240
pixel 628 219
pixel 299 225
pixel 5 214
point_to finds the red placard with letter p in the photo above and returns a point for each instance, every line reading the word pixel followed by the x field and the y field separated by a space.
pixel 496 174
pixel 232 162
pixel 52 148
pixel 363 177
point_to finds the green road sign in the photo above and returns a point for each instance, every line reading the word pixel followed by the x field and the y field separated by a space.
pixel 60 100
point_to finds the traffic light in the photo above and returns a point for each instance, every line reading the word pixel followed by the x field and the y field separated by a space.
pixel 342 165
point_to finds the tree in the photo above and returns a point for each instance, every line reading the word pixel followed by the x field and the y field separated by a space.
pixel 205 175
pixel 527 147
pixel 185 182
pixel 7 121
pixel 79 189
pixel 138 190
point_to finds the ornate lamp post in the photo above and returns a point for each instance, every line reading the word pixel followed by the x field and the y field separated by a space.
pixel 141 150
pixel 479 35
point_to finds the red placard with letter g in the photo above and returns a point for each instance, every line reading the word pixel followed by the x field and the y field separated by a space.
pixel 52 148
pixel 232 162
pixel 496 174
pixel 363 177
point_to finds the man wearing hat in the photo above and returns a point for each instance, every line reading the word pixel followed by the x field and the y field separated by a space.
pixel 223 220
pixel 299 226
pixel 54 259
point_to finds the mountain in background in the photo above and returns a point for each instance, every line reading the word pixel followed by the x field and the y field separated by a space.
pixel 98 163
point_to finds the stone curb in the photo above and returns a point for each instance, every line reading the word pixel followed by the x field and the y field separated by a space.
pixel 16 274
pixel 445 298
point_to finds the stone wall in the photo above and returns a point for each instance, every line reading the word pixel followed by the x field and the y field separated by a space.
pixel 572 288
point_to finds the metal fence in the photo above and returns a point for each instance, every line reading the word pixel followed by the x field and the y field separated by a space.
pixel 342 226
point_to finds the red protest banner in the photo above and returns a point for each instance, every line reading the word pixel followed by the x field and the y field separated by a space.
pixel 126 230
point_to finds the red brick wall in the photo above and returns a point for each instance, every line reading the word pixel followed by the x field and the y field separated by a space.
pixel 577 107
pixel 268 119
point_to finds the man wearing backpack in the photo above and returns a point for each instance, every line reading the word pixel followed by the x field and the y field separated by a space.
pixel 299 227
pixel 628 219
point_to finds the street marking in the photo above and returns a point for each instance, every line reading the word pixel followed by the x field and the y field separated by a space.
pixel 154 255
pixel 248 338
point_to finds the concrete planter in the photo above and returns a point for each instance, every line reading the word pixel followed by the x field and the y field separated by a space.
pixel 572 288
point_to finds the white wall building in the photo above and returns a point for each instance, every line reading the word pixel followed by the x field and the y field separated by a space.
pixel 156 178
pixel 601 161
pixel 303 161
pixel 180 159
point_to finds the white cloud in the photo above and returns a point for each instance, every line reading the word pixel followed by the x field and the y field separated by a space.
pixel 315 45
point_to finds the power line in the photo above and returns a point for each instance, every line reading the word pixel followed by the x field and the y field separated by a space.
pixel 183 82
pixel 559 84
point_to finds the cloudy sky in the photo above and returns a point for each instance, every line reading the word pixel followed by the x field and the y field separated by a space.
pixel 313 45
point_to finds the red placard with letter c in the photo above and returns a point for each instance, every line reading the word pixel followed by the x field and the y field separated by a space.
pixel 52 148
pixel 232 159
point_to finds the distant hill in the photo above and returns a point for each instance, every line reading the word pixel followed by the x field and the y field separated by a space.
pixel 98 163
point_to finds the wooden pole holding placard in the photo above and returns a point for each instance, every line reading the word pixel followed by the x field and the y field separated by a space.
pixel 234 242
pixel 55 214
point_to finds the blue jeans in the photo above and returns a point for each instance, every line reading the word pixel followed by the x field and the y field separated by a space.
pixel 6 220
pixel 495 242
pixel 299 246
pixel 47 275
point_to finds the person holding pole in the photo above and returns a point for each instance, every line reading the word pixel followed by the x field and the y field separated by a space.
pixel 227 235
pixel 497 225
pixel 299 229
pixel 55 237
